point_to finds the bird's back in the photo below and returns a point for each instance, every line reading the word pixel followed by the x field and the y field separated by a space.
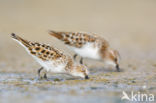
pixel 48 56
pixel 74 39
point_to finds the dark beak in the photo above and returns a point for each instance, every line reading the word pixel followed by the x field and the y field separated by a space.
pixel 86 77
pixel 117 68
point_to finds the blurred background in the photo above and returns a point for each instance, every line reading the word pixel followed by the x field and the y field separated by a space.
pixel 128 25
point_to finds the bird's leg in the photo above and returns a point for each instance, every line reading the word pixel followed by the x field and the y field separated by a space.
pixel 81 60
pixel 75 55
pixel 45 76
pixel 39 71
pixel 117 68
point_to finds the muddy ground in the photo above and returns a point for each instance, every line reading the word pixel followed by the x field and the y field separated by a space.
pixel 129 26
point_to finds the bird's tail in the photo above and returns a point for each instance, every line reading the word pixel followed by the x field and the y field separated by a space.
pixel 19 39
pixel 58 35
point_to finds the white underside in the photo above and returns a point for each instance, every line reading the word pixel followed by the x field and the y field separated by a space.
pixel 88 51
pixel 48 65
pixel 51 65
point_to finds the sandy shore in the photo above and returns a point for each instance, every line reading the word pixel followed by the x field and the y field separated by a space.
pixel 130 27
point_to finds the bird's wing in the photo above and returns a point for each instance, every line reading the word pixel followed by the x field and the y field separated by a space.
pixel 42 51
pixel 75 39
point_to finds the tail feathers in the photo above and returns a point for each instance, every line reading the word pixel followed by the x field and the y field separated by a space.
pixel 24 42
pixel 58 35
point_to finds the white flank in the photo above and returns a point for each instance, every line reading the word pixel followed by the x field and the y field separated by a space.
pixel 88 51
pixel 51 66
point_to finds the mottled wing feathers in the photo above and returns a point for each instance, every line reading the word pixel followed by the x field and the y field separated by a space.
pixel 42 51
pixel 74 39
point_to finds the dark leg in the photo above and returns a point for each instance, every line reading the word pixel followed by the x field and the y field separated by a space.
pixel 39 70
pixel 75 55
pixel 45 77
pixel 81 60
pixel 118 68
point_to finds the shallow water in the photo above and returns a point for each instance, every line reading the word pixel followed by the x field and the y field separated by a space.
pixel 19 88
pixel 27 88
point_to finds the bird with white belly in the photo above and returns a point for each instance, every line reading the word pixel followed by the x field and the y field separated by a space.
pixel 89 45
pixel 52 59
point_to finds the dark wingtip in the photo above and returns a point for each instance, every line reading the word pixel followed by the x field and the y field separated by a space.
pixel 55 34
pixel 13 35
pixel 51 31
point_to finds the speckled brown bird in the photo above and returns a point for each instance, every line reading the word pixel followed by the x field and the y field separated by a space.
pixel 89 45
pixel 52 59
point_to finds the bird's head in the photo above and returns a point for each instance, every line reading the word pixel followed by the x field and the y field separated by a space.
pixel 80 70
pixel 111 57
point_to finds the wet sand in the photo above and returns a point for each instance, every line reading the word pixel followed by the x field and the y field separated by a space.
pixel 129 26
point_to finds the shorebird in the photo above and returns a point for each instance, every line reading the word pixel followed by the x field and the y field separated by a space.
pixel 52 59
pixel 89 45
